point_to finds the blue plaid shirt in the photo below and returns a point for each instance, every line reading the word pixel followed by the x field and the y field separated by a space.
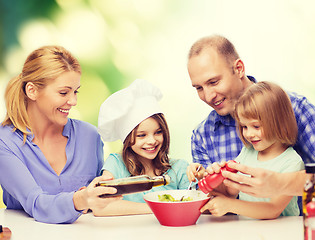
pixel 215 139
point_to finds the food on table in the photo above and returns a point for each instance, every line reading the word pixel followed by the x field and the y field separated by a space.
pixel 170 198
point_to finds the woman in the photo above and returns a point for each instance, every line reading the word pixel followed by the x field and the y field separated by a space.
pixel 47 159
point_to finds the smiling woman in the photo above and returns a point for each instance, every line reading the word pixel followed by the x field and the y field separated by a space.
pixel 43 163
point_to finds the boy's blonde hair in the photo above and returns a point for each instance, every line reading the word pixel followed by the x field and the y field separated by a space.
pixel 268 103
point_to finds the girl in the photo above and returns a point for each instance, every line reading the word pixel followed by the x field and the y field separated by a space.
pixel 134 116
pixel 268 129
pixel 46 157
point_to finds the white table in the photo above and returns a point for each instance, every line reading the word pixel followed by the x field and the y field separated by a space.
pixel 147 227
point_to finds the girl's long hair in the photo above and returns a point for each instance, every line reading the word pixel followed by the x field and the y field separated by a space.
pixel 160 163
pixel 41 67
pixel 271 106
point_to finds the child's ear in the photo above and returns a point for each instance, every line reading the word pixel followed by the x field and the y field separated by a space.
pixel 31 91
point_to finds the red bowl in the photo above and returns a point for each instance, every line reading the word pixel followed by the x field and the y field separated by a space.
pixel 177 214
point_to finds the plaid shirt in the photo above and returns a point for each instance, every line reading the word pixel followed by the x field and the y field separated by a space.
pixel 215 139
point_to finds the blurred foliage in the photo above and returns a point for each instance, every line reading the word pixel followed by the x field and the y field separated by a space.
pixel 110 38
pixel 100 78
pixel 15 12
pixel 114 40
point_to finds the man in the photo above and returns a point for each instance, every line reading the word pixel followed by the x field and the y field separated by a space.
pixel 218 75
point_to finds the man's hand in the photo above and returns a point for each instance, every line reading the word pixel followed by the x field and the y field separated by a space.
pixel 258 182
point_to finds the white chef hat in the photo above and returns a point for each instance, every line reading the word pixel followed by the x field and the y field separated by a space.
pixel 121 112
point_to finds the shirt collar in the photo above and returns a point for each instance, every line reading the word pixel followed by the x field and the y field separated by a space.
pixel 67 129
pixel 30 136
pixel 65 132
pixel 225 120
pixel 251 78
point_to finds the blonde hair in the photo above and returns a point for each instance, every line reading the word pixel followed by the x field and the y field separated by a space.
pixel 41 67
pixel 219 43
pixel 161 161
pixel 271 106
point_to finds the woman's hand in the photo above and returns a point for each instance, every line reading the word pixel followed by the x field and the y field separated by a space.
pixel 88 198
pixel 192 172
pixel 107 174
